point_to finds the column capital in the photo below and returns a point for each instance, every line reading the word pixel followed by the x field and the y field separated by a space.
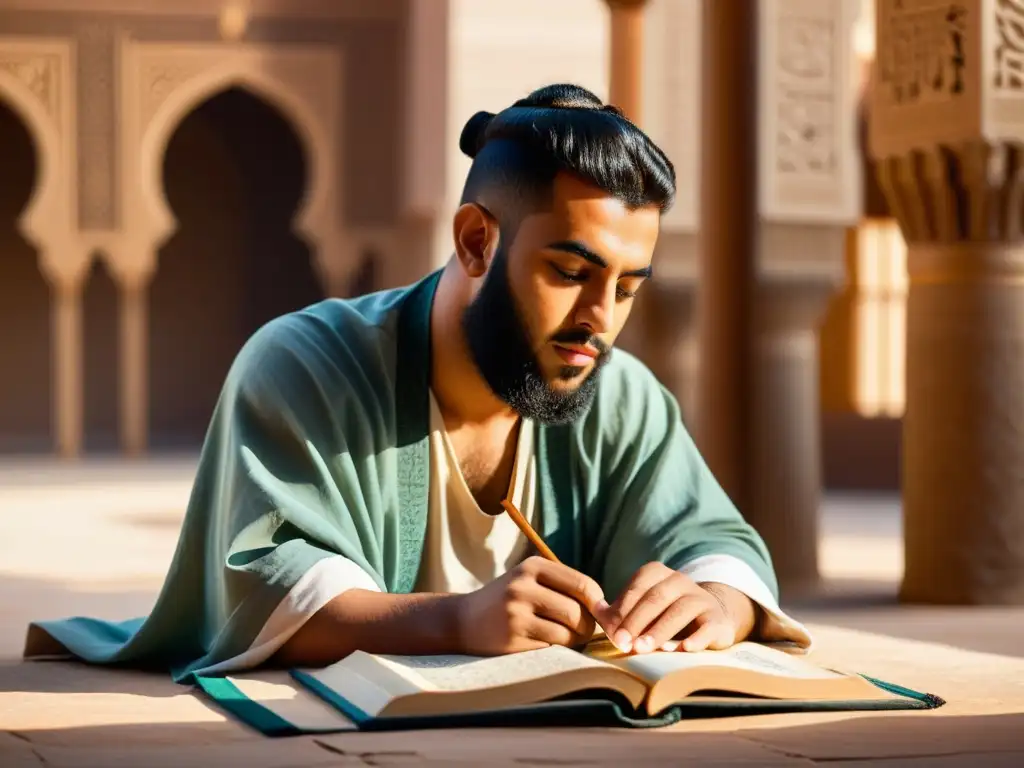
pixel 942 74
pixel 947 117
pixel 967 191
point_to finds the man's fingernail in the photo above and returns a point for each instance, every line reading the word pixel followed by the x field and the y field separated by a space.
pixel 644 644
pixel 623 641
pixel 602 605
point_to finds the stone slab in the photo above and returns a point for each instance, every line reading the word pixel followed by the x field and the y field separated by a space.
pixel 563 747
pixel 59 707
pixel 984 711
pixel 277 753
pixel 68 704
pixel 17 752
pixel 992 760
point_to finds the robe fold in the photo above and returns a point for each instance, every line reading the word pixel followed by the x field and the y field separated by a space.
pixel 318 447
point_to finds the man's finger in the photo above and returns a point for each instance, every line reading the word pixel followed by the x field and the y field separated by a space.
pixel 562 609
pixel 646 610
pixel 672 621
pixel 710 634
pixel 611 618
pixel 549 632
pixel 568 581
pixel 668 595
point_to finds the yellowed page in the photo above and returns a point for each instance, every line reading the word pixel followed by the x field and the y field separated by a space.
pixel 462 673
pixel 371 682
pixel 748 656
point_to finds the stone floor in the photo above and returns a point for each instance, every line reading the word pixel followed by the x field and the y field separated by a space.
pixel 96 538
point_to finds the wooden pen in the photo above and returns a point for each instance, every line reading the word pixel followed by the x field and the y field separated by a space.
pixel 527 529
pixel 545 552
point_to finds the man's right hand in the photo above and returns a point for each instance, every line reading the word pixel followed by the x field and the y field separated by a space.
pixel 536 604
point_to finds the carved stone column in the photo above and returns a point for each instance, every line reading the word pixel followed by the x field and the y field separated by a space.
pixel 781 182
pixel 786 480
pixel 135 367
pixel 947 128
pixel 67 358
pixel 132 264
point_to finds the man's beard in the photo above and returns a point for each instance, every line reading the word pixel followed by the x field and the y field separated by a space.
pixel 500 346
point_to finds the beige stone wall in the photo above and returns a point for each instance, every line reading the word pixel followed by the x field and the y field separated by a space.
pixel 103 86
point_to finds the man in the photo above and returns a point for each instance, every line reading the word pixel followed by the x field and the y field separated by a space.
pixel 349 492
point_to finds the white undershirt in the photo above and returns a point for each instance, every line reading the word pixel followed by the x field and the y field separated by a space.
pixel 465 548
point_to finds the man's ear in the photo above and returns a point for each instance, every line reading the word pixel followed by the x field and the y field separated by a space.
pixel 476 238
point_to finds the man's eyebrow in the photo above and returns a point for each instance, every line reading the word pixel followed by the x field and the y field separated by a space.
pixel 579 249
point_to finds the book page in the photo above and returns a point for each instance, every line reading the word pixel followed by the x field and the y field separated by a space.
pixel 748 656
pixel 463 673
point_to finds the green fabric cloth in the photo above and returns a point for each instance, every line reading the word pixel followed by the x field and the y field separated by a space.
pixel 318 446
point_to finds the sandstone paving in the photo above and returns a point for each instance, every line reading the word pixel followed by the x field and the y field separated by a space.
pixel 105 536
pixel 72 714
pixel 18 752
pixel 991 760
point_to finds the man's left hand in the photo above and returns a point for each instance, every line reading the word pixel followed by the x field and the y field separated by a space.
pixel 660 605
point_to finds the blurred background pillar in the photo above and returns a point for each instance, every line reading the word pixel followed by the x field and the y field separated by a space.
pixel 68 368
pixel 662 328
pixel 947 130
pixel 728 223
pixel 781 184
pixel 625 81
pixel 133 264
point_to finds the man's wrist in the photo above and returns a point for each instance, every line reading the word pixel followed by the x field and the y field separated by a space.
pixel 417 624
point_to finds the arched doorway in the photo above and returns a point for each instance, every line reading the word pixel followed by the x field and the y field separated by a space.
pixel 234 174
pixel 101 359
pixel 26 383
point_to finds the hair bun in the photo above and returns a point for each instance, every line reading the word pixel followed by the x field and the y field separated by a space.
pixel 472 138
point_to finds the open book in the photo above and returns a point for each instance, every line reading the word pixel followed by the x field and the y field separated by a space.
pixel 374 689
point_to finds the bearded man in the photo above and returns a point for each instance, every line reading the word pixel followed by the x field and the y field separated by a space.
pixel 349 492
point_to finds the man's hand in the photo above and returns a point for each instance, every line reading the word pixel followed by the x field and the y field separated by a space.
pixel 660 605
pixel 536 604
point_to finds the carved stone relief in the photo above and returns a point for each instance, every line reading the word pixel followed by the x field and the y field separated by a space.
pixel 97 114
pixel 920 51
pixel 39 72
pixel 38 79
pixel 806 94
pixel 809 168
pixel 928 76
pixel 1009 53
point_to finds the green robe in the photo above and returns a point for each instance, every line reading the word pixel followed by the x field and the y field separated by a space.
pixel 318 446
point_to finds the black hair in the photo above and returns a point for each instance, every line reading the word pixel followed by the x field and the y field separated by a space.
pixel 561 128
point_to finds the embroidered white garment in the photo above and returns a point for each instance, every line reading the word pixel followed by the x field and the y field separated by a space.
pixel 464 548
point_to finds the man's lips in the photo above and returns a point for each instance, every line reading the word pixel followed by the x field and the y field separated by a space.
pixel 575 355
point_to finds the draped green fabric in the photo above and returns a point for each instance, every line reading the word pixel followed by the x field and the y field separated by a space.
pixel 318 447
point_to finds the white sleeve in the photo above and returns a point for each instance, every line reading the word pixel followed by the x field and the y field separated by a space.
pixel 323 582
pixel 776 627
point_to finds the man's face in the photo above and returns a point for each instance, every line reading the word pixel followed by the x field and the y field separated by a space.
pixel 552 304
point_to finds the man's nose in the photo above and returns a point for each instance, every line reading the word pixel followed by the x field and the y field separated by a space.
pixel 596 309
